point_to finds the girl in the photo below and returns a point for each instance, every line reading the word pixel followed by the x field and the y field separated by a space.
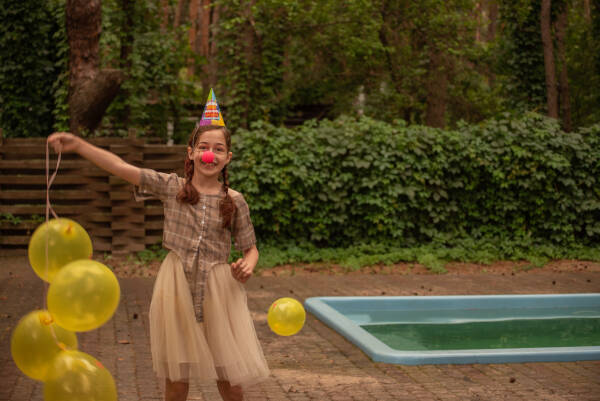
pixel 200 325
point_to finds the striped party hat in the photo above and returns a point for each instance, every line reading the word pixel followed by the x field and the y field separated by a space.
pixel 212 113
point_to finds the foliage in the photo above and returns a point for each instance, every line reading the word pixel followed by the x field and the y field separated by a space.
pixel 16 220
pixel 347 181
pixel 10 218
pixel 583 63
pixel 157 86
pixel 32 51
pixel 153 252
pixel 434 255
pixel 281 60
pixel 289 54
pixel 520 57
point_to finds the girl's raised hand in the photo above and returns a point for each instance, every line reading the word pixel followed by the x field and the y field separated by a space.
pixel 241 270
pixel 63 142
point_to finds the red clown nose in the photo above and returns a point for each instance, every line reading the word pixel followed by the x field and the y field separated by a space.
pixel 208 157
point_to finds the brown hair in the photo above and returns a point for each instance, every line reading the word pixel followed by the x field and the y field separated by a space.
pixel 188 193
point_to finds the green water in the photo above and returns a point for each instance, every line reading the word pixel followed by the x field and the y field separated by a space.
pixel 518 333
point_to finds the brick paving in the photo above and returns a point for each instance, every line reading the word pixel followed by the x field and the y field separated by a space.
pixel 317 363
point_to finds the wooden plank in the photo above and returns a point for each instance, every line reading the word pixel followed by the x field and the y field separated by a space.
pixel 61 179
pixel 154 225
pixel 24 240
pixel 165 149
pixel 60 194
pixel 114 180
pixel 13 251
pixel 126 241
pixel 99 217
pixel 14 240
pixel 129 233
pixel 41 164
pixel 161 165
pixel 121 195
pixel 151 211
pixel 124 211
pixel 99 231
pixel 26 149
pixel 23 225
pixel 107 141
pixel 61 210
pixel 152 239
pixel 119 225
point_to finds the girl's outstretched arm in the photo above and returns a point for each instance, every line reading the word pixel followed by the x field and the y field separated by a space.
pixel 66 142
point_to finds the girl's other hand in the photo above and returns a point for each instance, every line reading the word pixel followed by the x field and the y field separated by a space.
pixel 63 142
pixel 241 270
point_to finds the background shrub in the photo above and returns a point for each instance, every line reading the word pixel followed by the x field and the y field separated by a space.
pixel 350 181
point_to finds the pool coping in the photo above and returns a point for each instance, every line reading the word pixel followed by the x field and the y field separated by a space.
pixel 380 352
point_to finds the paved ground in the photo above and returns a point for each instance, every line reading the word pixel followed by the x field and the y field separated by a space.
pixel 317 363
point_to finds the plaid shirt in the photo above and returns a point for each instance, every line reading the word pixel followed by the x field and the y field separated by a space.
pixel 195 232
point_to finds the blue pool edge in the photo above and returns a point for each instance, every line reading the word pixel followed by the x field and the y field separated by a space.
pixel 380 352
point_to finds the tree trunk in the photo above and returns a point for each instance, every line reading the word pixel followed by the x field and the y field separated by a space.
pixel 127 6
pixel 563 77
pixel 493 20
pixel 587 11
pixel 180 14
pixel 437 86
pixel 193 33
pixel 213 65
pixel 208 14
pixel 479 18
pixel 90 91
pixel 549 66
pixel 164 23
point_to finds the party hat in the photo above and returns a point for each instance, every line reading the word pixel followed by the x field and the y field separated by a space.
pixel 212 113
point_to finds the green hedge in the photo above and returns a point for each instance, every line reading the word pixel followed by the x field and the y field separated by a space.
pixel 348 181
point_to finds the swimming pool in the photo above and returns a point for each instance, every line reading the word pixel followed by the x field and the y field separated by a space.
pixel 355 317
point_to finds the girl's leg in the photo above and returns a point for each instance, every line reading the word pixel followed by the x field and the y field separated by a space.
pixel 229 392
pixel 176 391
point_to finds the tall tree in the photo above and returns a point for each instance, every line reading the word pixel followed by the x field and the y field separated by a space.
pixel 549 65
pixel 91 90
pixel 563 77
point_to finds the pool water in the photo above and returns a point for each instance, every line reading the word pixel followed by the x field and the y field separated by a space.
pixel 467 328
pixel 516 333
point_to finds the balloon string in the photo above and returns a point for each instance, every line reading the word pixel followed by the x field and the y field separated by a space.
pixel 49 181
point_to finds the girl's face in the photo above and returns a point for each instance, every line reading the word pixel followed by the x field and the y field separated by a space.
pixel 213 141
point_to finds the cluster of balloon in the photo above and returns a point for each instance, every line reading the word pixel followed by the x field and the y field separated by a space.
pixel 286 316
pixel 83 295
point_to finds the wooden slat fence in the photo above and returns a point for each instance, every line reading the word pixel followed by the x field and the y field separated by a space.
pixel 101 203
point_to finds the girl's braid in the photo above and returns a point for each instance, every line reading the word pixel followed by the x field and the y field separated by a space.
pixel 188 193
pixel 227 206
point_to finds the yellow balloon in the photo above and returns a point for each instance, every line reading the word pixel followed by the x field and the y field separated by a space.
pixel 77 376
pixel 286 316
pixel 67 241
pixel 33 346
pixel 83 295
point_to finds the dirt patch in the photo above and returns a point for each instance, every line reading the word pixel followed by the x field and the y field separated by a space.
pixel 127 267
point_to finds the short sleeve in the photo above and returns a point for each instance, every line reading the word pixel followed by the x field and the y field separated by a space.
pixel 154 184
pixel 243 230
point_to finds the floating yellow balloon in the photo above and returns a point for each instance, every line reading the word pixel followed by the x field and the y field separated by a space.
pixel 83 295
pixel 286 316
pixel 67 241
pixel 33 346
pixel 77 376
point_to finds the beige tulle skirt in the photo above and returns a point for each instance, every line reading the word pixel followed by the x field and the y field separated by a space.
pixel 223 347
